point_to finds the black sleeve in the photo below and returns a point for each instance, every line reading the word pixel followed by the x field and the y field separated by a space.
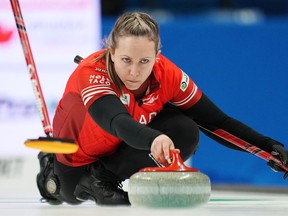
pixel 207 114
pixel 111 115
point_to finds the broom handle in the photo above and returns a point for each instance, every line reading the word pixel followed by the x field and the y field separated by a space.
pixel 244 145
pixel 40 102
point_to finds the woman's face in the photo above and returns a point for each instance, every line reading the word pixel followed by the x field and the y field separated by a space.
pixel 133 59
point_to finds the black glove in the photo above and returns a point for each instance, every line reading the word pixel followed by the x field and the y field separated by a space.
pixel 282 154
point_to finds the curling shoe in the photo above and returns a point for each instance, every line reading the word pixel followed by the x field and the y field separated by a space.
pixel 46 181
pixel 102 192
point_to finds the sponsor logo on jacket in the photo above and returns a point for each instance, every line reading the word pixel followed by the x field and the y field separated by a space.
pixel 150 100
pixel 184 82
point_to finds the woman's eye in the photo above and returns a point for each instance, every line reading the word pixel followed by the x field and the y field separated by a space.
pixel 144 61
pixel 126 60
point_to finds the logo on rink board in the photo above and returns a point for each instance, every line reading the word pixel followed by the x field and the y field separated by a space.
pixel 10 167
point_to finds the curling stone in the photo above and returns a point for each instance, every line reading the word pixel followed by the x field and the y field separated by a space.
pixel 173 186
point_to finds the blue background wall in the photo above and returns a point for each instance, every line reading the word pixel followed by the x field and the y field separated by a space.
pixel 242 65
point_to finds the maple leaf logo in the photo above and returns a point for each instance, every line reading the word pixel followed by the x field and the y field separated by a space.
pixel 5 34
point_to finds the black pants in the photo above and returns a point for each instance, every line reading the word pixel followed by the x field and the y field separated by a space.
pixel 127 160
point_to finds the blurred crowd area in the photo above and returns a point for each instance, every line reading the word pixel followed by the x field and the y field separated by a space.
pixel 267 7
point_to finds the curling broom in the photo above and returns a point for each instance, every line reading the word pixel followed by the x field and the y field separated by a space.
pixel 46 144
pixel 245 146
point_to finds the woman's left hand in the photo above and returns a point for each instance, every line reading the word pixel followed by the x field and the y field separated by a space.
pixel 282 154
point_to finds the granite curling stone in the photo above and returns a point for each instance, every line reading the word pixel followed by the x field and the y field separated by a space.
pixel 173 186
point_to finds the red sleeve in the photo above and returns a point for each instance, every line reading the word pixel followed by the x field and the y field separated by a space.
pixel 94 83
pixel 187 94
pixel 179 87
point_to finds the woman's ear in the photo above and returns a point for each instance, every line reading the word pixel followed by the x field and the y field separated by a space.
pixel 157 55
pixel 112 53
pixel 158 52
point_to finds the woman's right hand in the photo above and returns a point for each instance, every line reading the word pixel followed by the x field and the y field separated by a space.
pixel 160 148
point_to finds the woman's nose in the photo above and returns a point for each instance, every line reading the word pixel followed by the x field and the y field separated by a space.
pixel 134 71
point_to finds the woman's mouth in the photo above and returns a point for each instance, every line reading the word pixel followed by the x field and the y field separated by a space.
pixel 132 81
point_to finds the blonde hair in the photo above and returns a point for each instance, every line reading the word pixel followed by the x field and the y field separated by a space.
pixel 129 24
